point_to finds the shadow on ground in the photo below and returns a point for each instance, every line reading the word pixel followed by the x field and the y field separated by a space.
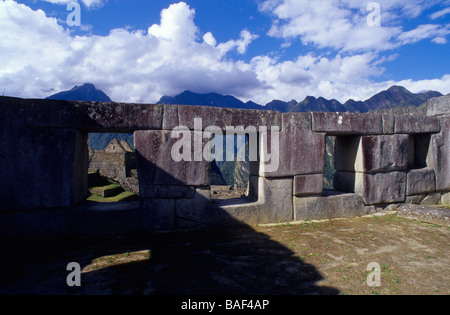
pixel 222 261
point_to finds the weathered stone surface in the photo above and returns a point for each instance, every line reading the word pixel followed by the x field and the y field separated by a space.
pixel 381 187
pixel 41 168
pixel 427 214
pixel 431 199
pixel 158 191
pixel 384 153
pixel 346 123
pixel 378 188
pixel 157 167
pixel 94 116
pixel 439 106
pixel 420 181
pixel 158 214
pixel 388 124
pixel 223 117
pixel 445 198
pixel 439 157
pixel 196 211
pixel 170 117
pixel 371 153
pixel 415 199
pixel 38 223
pixel 308 185
pixel 301 151
pixel 424 199
pixel 331 205
pixel 273 203
pixel 408 124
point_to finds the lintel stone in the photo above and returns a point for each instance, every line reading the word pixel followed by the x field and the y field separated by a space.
pixel 224 117
pixel 408 124
pixel 94 116
pixel 347 123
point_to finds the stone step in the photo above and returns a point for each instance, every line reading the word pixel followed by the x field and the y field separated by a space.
pixel 107 191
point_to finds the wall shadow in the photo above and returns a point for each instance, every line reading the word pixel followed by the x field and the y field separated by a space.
pixel 219 261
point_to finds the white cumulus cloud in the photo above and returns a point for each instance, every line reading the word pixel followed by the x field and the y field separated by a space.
pixel 39 55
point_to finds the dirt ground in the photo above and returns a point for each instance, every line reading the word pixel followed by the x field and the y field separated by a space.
pixel 327 257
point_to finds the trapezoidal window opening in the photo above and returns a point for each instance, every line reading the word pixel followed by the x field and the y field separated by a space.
pixel 230 170
pixel 112 170
pixel 418 147
pixel 341 177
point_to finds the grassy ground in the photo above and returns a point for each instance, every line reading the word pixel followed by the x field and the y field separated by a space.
pixel 414 257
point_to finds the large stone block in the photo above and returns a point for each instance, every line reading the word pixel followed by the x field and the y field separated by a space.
pixel 41 168
pixel 371 153
pixel 439 106
pixel 439 157
pixel 94 116
pixel 300 150
pixel 305 185
pixel 331 205
pixel 445 198
pixel 424 199
pixel 427 214
pixel 157 214
pixel 224 117
pixel 346 123
pixel 196 211
pixel 273 202
pixel 39 224
pixel 375 188
pixel 408 124
pixel 158 191
pixel 156 166
pixel 381 188
pixel 420 181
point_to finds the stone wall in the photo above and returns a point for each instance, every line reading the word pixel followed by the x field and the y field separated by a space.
pixel 380 160
pixel 116 162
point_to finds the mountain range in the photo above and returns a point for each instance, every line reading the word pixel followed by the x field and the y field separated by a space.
pixel 85 92
pixel 395 96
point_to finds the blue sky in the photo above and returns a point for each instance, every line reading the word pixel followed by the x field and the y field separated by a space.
pixel 138 51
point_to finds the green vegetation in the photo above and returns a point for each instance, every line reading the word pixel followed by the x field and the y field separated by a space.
pixel 123 196
pixel 103 190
